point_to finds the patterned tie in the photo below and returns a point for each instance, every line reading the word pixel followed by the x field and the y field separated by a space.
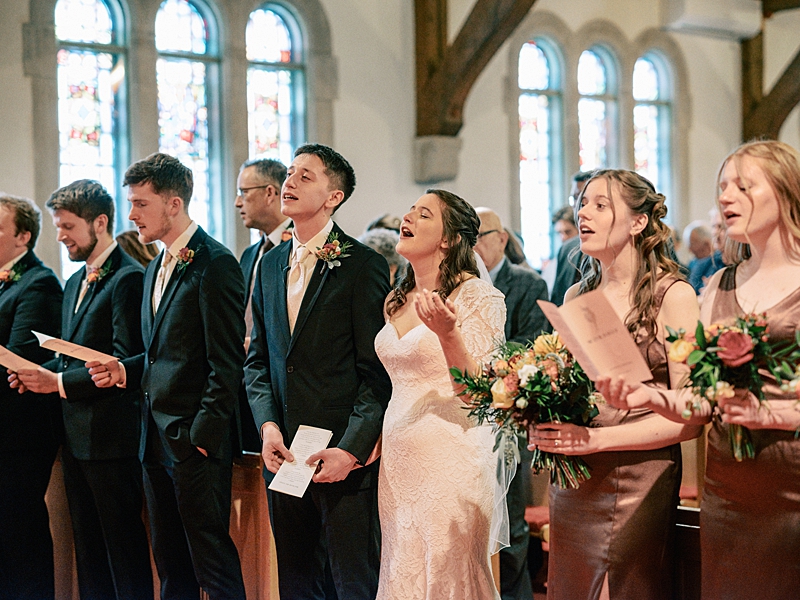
pixel 84 289
pixel 248 313
pixel 295 286
pixel 161 280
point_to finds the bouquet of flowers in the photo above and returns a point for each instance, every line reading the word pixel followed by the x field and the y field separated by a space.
pixel 724 357
pixel 525 385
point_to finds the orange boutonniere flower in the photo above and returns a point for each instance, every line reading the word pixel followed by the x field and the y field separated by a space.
pixel 96 274
pixel 13 274
pixel 332 251
pixel 186 257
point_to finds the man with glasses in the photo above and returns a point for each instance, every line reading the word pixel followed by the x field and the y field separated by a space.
pixel 522 287
pixel 258 200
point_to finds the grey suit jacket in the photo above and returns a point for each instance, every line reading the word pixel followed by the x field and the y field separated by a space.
pixel 522 288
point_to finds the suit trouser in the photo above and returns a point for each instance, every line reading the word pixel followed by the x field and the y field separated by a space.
pixel 111 549
pixel 334 527
pixel 189 504
pixel 26 548
pixel 515 580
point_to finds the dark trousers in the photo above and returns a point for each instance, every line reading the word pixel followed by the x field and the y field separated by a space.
pixel 328 541
pixel 515 581
pixel 26 548
pixel 189 504
pixel 111 549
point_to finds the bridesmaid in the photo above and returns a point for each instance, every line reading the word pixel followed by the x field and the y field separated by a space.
pixel 611 537
pixel 750 513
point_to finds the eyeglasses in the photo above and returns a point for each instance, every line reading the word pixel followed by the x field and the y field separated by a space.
pixel 243 191
pixel 483 233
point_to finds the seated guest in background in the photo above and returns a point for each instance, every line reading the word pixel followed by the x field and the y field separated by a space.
pixel 258 200
pixel 698 239
pixel 30 424
pixel 384 242
pixel 569 255
pixel 524 322
pixel 100 456
pixel 190 373
pixel 385 221
pixel 141 253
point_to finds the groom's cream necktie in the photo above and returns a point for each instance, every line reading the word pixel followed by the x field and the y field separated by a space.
pixel 295 285
pixel 161 280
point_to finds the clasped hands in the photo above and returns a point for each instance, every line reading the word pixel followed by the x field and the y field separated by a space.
pixel 335 464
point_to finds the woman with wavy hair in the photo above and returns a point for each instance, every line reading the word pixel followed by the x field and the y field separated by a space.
pixel 611 537
pixel 750 513
pixel 436 491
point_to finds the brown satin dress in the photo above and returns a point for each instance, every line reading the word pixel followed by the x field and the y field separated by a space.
pixel 620 521
pixel 750 514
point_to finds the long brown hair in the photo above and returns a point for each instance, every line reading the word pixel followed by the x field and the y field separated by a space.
pixel 653 256
pixel 460 225
pixel 780 164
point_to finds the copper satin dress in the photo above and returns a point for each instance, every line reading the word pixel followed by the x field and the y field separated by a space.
pixel 620 521
pixel 750 514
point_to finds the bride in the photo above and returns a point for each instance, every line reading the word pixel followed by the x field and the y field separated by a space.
pixel 436 491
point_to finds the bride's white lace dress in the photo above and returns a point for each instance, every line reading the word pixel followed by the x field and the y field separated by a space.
pixel 437 474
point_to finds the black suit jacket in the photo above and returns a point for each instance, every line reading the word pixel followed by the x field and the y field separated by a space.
pixel 522 288
pixel 102 424
pixel 567 271
pixel 191 368
pixel 325 374
pixel 32 303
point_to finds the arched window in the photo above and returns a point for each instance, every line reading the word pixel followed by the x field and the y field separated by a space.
pixel 595 110
pixel 539 107
pixel 651 122
pixel 91 88
pixel 185 73
pixel 275 84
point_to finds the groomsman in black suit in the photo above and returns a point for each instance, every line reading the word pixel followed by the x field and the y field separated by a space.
pixel 258 201
pixel 190 373
pixel 100 457
pixel 522 287
pixel 312 362
pixel 30 424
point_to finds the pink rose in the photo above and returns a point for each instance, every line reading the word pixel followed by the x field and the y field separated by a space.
pixel 737 348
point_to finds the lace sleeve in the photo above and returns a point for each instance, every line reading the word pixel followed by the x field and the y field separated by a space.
pixel 481 318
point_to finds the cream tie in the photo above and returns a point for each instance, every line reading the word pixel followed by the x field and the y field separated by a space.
pixel 295 286
pixel 161 280
pixel 82 294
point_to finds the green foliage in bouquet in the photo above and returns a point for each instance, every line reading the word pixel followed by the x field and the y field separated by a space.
pixel 529 385
pixel 724 357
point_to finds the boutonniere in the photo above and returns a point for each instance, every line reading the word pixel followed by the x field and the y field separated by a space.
pixel 13 274
pixel 286 234
pixel 332 251
pixel 96 274
pixel 185 257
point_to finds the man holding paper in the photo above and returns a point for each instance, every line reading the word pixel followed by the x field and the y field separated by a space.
pixel 312 362
pixel 100 457
pixel 30 424
pixel 193 332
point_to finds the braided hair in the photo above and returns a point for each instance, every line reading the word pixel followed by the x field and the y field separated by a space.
pixel 654 254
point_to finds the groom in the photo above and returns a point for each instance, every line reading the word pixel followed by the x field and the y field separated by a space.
pixel 312 362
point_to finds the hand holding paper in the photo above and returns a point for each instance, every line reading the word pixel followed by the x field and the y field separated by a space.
pixel 293 477
pixel 105 375
pixel 596 337
pixel 38 380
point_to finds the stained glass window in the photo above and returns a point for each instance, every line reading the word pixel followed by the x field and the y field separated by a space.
pixel 538 101
pixel 274 84
pixel 594 111
pixel 183 71
pixel 90 79
pixel 651 115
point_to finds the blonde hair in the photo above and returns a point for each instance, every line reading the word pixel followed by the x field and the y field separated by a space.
pixel 654 256
pixel 780 164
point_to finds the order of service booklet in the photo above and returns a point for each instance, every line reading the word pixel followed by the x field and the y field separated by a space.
pixel 597 337
pixel 293 477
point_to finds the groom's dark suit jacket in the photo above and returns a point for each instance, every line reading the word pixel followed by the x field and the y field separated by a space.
pixel 325 374
pixel 191 368
pixel 33 302
pixel 102 424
